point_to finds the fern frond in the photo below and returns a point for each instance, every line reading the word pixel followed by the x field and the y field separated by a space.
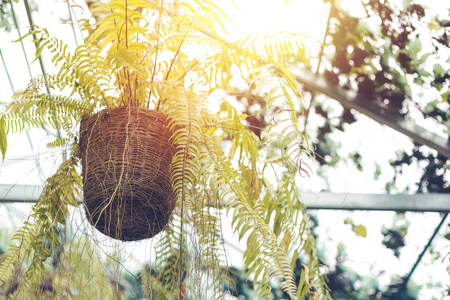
pixel 34 239
pixel 35 110
pixel 59 142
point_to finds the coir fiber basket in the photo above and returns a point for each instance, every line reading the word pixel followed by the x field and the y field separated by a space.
pixel 126 156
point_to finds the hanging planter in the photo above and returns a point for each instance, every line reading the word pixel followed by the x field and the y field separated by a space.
pixel 135 169
pixel 125 157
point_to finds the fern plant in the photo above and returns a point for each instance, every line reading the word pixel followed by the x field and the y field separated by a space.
pixel 138 55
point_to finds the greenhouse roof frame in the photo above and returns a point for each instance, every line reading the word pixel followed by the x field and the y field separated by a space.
pixel 350 99
pixel 322 200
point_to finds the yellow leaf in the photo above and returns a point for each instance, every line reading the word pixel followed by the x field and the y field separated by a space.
pixel 434 24
pixel 153 36
pixel 360 230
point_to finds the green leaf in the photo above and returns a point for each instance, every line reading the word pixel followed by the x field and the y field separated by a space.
pixel 415 46
pixel 406 5
pixel 447 124
pixel 423 58
pixel 445 96
pixel 438 69
pixel 447 236
pixel 377 173
pixel 360 230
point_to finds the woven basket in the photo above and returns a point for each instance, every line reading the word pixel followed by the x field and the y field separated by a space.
pixel 126 157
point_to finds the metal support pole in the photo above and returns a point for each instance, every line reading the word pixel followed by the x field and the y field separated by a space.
pixel 405 280
pixel 30 21
pixel 26 130
pixel 20 37
pixel 41 62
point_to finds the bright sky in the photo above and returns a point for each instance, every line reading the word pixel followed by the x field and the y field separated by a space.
pixel 262 17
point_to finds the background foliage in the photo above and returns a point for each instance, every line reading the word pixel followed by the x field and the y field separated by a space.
pixel 396 56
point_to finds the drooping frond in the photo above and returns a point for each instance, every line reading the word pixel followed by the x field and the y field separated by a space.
pixel 33 241
pixel 83 70
pixel 165 282
pixel 34 110
pixel 138 55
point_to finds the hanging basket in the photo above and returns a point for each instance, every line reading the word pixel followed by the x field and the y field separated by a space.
pixel 126 157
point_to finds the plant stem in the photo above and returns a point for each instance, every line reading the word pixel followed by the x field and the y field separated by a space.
pixel 174 57
pixel 313 95
pixel 182 41
pixel 126 24
pixel 156 59
pixel 185 155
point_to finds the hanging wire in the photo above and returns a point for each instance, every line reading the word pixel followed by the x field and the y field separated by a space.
pixel 71 23
pixel 322 47
pixel 6 70
pixel 327 29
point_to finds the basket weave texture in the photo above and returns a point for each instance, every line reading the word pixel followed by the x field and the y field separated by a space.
pixel 126 157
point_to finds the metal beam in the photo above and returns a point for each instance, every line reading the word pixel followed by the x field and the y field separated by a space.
pixel 400 202
pixel 418 202
pixel 350 99
pixel 19 193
